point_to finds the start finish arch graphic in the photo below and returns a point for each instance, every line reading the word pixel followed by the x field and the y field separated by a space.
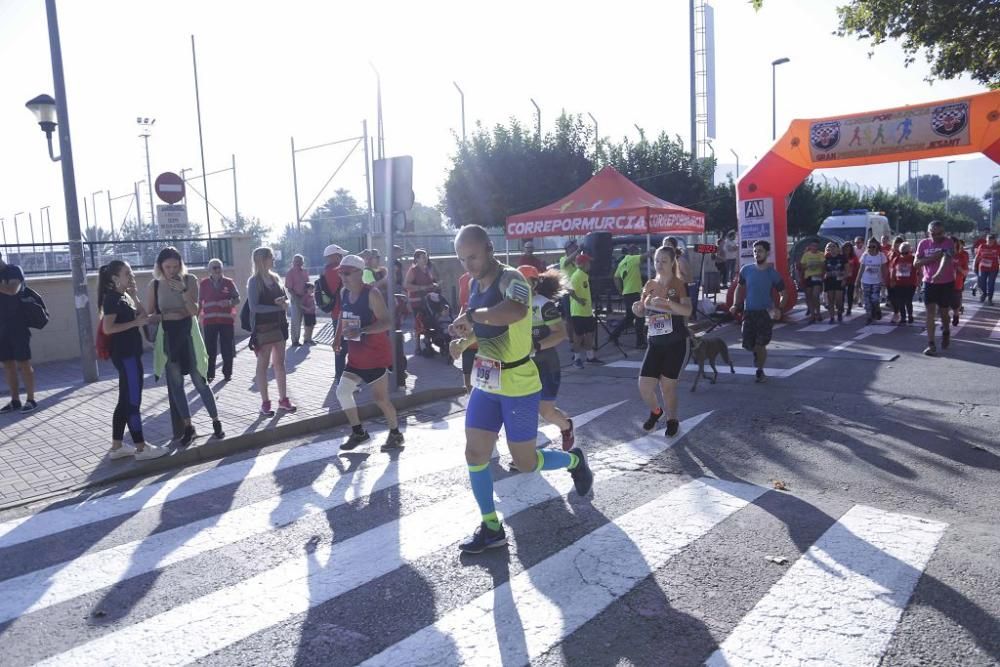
pixel 949 127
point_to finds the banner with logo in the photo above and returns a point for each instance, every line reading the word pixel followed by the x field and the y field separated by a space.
pixel 903 130
pixel 756 223
pixel 579 225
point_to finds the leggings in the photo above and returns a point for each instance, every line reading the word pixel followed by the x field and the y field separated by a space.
pixel 904 300
pixel 129 399
pixel 175 387
pixel 849 294
pixel 871 294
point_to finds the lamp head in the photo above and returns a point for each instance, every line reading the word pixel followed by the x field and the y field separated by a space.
pixel 44 108
pixel 780 61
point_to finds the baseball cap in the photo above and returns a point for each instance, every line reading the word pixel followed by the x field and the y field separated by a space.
pixel 583 257
pixel 351 262
pixel 528 271
pixel 334 249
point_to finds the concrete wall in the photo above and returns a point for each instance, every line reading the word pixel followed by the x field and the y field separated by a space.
pixel 59 339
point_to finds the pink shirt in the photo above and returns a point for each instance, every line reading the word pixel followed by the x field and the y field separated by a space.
pixel 928 248
pixel 295 281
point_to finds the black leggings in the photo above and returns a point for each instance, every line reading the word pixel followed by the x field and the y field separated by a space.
pixel 903 302
pixel 849 294
pixel 129 399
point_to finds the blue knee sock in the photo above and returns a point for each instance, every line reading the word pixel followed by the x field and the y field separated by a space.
pixel 481 478
pixel 552 459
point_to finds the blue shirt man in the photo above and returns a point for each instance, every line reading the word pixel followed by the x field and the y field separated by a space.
pixel 753 297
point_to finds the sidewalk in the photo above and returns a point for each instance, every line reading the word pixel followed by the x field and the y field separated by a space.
pixel 63 444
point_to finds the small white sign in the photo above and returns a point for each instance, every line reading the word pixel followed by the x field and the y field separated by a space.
pixel 172 220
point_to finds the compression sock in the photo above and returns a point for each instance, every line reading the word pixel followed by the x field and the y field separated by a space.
pixel 481 478
pixel 552 459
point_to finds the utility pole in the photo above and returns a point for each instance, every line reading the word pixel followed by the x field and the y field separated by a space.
pixel 694 102
pixel 538 120
pixel 455 83
pixel 201 142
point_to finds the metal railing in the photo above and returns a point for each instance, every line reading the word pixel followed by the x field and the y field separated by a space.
pixel 40 259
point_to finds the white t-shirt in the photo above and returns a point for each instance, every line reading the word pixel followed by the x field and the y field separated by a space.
pixel 871 268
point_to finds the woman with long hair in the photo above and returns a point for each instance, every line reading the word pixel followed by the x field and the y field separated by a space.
pixel 420 280
pixel 547 331
pixel 665 304
pixel 834 270
pixel 269 328
pixel 122 315
pixel 179 347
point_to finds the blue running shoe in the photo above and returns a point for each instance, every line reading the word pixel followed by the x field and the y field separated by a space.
pixel 484 538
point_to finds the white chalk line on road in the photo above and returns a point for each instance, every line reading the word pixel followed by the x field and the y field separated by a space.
pixel 207 624
pixel 840 601
pixel 536 610
pixel 98 569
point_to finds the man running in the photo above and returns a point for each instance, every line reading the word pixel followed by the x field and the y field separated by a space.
pixel 753 297
pixel 364 325
pixel 506 389
pixel 935 256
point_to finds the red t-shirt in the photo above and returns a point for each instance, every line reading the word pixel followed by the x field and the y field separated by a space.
pixel 901 270
pixel 988 258
pixel 335 284
pixel 853 262
pixel 961 269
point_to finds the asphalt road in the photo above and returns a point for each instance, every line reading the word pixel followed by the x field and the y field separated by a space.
pixel 881 548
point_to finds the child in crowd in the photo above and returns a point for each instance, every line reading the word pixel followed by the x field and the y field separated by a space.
pixel 309 313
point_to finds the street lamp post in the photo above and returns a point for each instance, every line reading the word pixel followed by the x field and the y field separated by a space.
pixel 93 207
pixel 737 163
pixel 774 97
pixel 947 183
pixel 47 111
pixel 462 96
pixel 538 120
pixel 145 128
pixel 17 232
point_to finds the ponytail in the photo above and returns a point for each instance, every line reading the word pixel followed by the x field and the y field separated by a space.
pixel 105 282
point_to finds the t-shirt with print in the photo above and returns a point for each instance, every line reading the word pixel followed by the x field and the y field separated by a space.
pixel 988 258
pixel 902 271
pixel 758 284
pixel 835 267
pixel 871 268
pixel 928 248
pixel 629 273
pixel 812 264
pixel 580 284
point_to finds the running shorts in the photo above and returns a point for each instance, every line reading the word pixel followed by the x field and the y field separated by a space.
pixel 583 325
pixel 665 360
pixel 517 414
pixel 939 293
pixel 833 285
pixel 367 375
pixel 757 328
pixel 15 344
pixel 814 281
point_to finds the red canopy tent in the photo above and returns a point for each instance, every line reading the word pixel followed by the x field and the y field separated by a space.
pixel 608 202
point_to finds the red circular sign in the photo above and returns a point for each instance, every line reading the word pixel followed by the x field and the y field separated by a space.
pixel 169 187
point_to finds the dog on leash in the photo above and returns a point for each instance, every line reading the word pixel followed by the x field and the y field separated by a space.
pixel 707 348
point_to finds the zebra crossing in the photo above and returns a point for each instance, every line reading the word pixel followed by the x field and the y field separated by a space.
pixel 309 556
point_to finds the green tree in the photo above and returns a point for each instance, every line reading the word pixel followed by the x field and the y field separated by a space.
pixel 245 226
pixel 928 188
pixel 971 207
pixel 955 37
pixel 427 220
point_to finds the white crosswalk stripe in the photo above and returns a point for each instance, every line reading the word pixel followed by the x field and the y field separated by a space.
pixel 866 564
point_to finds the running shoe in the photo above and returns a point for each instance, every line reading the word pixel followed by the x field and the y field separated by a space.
pixel 150 452
pixel 210 379
pixel 484 538
pixel 265 409
pixel 945 339
pixel 28 406
pixel 286 405
pixel 595 360
pixel 930 350
pixel 217 430
pixel 650 422
pixel 954 320
pixel 982 298
pixel 672 427
pixel 840 317
pixel 189 435
pixel 10 407
pixel 760 376
pixel 122 452
pixel 583 477
pixel 578 363
pixel 568 437
pixel 355 440
pixel 831 319
pixel 394 441
pixel 868 320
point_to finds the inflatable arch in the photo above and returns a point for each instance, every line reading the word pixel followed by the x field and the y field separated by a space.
pixel 949 127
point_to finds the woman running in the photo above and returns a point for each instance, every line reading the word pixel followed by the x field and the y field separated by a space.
pixel 834 270
pixel 547 331
pixel 903 277
pixel 268 303
pixel 664 303
pixel 874 276
pixel 122 315
pixel 179 348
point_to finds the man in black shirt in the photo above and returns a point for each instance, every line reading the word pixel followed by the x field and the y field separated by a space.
pixel 15 340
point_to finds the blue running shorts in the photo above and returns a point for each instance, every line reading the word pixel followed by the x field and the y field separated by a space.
pixel 517 414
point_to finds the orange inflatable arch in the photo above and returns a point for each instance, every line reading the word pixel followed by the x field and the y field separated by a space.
pixel 957 126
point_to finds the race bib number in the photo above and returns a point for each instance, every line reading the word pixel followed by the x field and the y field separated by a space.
pixel 660 324
pixel 986 264
pixel 903 270
pixel 486 374
pixel 352 327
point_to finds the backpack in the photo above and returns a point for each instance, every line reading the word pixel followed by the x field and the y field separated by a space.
pixel 245 322
pixel 103 342
pixel 326 300
pixel 33 308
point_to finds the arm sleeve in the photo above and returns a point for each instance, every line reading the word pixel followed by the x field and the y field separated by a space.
pixel 515 287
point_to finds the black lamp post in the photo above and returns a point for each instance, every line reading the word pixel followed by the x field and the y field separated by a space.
pixel 53 113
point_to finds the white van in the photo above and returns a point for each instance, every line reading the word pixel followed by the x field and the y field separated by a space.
pixel 846 225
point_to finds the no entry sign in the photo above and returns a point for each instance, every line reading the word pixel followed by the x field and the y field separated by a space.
pixel 169 187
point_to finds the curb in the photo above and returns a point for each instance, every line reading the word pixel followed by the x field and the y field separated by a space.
pixel 216 449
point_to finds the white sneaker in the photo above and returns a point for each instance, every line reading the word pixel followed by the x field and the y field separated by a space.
pixel 150 452
pixel 122 452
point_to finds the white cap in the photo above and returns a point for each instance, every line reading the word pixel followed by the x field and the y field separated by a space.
pixel 334 249
pixel 352 262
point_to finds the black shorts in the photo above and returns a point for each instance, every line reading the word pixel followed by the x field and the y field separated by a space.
pixel 468 359
pixel 309 319
pixel 583 325
pixel 15 345
pixel 664 360
pixel 833 285
pixel 940 294
pixel 368 375
pixel 757 328
pixel 814 281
